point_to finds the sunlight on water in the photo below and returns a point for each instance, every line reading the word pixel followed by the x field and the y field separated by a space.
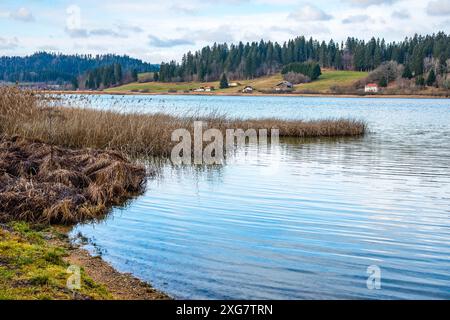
pixel 301 221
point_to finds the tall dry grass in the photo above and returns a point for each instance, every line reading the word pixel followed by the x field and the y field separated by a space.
pixel 30 115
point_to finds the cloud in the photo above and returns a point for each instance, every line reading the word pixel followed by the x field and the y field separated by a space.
pixel 48 48
pixel 106 33
pixel 401 15
pixel 129 28
pixel 438 8
pixel 22 14
pixel 367 3
pixel 85 33
pixel 168 43
pixel 184 9
pixel 356 19
pixel 310 13
pixel 77 33
pixel 8 44
pixel 223 33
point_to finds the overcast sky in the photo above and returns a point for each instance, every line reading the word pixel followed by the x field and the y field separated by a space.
pixel 162 30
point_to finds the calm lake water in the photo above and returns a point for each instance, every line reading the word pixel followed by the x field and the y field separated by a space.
pixel 303 220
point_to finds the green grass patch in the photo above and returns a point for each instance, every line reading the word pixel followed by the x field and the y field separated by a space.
pixel 33 269
pixel 328 79
pixel 332 78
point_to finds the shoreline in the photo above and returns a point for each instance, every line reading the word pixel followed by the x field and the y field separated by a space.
pixel 122 286
pixel 258 94
pixel 39 262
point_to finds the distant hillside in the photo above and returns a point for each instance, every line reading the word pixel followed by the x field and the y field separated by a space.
pixel 324 84
pixel 46 67
pixel 257 59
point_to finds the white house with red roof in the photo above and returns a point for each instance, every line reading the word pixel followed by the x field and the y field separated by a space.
pixel 371 88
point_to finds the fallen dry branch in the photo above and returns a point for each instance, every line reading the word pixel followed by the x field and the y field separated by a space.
pixel 46 184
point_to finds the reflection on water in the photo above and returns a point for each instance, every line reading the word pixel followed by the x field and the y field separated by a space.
pixel 301 221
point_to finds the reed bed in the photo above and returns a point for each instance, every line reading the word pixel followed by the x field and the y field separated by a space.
pixel 28 115
pixel 66 165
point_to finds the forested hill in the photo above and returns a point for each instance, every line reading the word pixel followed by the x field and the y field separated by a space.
pixel 246 61
pixel 46 67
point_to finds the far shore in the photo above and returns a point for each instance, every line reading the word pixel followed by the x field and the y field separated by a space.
pixel 256 94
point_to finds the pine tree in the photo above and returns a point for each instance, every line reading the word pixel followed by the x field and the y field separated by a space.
pixel 117 73
pixel 134 75
pixel 442 64
pixel 383 82
pixel 431 80
pixel 224 82
pixel 420 81
pixel 407 74
pixel 74 83
pixel 156 76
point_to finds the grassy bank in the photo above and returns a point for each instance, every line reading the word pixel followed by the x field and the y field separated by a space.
pixel 330 79
pixel 32 268
pixel 326 81
pixel 34 265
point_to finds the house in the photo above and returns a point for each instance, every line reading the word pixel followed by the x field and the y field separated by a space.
pixel 284 85
pixel 248 89
pixel 234 84
pixel 201 89
pixel 371 87
pixel 209 89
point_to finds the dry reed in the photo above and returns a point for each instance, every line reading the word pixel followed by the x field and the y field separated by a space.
pixel 46 184
pixel 28 115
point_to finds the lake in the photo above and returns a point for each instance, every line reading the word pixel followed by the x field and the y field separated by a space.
pixel 302 220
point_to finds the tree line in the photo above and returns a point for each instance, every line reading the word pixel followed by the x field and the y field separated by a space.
pixel 59 68
pixel 105 77
pixel 250 60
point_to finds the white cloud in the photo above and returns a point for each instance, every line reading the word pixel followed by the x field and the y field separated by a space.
pixel 223 33
pixel 401 15
pixel 310 13
pixel 168 43
pixel 439 8
pixel 8 44
pixel 107 33
pixel 77 33
pixel 22 14
pixel 366 3
pixel 356 19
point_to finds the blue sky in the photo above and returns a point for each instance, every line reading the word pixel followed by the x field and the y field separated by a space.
pixel 162 30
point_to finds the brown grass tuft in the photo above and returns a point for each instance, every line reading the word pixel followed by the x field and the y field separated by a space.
pixel 44 184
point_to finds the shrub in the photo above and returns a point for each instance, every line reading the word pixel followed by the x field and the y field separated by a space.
pixel 383 83
pixel 420 81
pixel 407 74
pixel 431 80
pixel 296 78
pixel 446 84
pixel 310 69
pixel 385 73
pixel 224 82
